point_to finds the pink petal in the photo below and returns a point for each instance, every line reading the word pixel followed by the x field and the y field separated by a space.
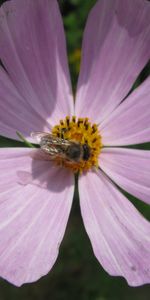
pixel 33 51
pixel 120 236
pixel 130 122
pixel 35 201
pixel 116 47
pixel 129 168
pixel 16 114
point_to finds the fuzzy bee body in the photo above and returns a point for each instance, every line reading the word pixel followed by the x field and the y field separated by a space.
pixel 62 148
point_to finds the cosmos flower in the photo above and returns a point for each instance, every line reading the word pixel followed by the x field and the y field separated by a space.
pixel 37 187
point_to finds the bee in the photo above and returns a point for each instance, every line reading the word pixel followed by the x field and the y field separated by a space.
pixel 70 150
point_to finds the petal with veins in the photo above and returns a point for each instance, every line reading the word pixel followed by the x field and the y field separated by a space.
pixel 16 114
pixel 33 52
pixel 116 47
pixel 34 210
pixel 130 122
pixel 120 236
pixel 128 168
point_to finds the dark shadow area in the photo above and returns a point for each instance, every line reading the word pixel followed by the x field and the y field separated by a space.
pixel 2 65
pixel 5 142
pixel 145 146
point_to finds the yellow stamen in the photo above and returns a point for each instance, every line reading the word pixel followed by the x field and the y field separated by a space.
pixel 79 131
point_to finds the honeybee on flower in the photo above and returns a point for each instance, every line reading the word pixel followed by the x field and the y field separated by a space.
pixel 85 137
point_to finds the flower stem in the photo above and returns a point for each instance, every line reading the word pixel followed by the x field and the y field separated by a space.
pixel 24 140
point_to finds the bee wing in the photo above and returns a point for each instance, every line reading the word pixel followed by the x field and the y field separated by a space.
pixel 53 151
pixel 38 135
pixel 45 138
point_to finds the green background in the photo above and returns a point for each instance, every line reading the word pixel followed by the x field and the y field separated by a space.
pixel 77 274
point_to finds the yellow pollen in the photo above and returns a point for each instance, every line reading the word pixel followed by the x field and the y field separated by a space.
pixel 81 132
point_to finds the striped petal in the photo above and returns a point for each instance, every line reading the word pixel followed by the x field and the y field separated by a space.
pixel 34 209
pixel 130 122
pixel 33 52
pixel 129 168
pixel 120 236
pixel 116 47
pixel 16 114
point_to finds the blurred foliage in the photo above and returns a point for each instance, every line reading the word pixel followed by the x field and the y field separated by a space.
pixel 77 274
pixel 75 14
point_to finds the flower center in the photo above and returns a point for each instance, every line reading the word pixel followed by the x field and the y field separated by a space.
pixel 80 143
